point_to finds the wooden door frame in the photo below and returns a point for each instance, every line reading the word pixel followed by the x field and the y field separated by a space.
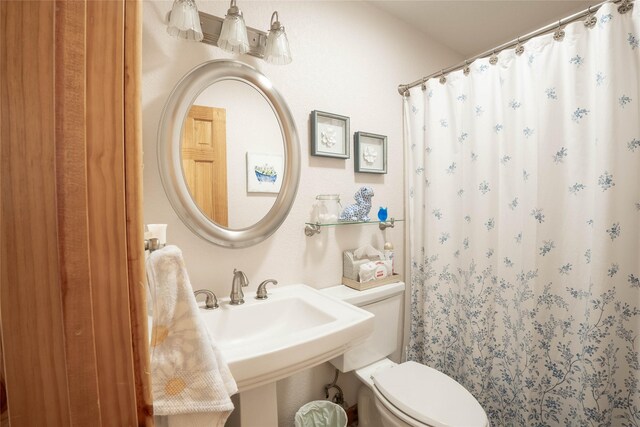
pixel 134 209
pixel 72 282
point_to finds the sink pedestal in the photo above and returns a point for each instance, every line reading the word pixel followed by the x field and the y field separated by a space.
pixel 259 406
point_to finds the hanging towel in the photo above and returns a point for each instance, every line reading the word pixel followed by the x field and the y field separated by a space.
pixel 191 381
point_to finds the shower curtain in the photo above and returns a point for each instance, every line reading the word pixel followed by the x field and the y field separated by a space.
pixel 524 233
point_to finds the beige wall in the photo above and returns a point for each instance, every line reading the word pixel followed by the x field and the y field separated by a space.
pixel 348 58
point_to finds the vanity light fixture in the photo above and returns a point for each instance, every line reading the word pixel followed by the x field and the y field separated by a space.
pixel 277 50
pixel 184 21
pixel 231 33
pixel 233 36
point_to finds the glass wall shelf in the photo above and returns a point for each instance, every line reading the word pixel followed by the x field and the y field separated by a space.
pixel 313 228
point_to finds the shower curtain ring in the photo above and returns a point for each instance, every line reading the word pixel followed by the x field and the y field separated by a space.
pixel 559 33
pixel 443 79
pixel 591 20
pixel 493 60
pixel 466 70
pixel 625 7
pixel 519 48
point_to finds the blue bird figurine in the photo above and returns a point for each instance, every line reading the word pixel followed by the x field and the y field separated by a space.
pixel 382 213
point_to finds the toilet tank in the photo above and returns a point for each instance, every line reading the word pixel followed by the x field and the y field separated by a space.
pixel 386 303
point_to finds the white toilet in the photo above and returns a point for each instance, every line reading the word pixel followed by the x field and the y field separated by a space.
pixel 406 394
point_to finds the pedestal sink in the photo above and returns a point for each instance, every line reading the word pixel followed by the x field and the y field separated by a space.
pixel 295 328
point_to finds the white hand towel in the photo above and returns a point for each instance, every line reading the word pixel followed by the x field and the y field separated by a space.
pixel 191 381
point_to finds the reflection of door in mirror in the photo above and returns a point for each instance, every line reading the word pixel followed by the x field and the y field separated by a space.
pixel 204 160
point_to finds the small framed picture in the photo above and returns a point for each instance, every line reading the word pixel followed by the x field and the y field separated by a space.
pixel 370 152
pixel 329 135
pixel 264 173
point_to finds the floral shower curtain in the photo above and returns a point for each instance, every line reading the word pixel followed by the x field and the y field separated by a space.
pixel 524 194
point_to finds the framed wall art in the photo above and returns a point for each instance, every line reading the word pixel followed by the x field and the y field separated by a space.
pixel 264 173
pixel 370 152
pixel 329 135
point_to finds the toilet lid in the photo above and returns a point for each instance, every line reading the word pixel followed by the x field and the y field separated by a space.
pixel 429 396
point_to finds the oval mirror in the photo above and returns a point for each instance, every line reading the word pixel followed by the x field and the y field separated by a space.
pixel 228 154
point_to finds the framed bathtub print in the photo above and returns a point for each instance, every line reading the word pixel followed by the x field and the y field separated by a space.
pixel 370 152
pixel 329 135
pixel 264 172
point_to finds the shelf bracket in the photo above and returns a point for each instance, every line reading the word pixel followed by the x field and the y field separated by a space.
pixel 387 224
pixel 311 229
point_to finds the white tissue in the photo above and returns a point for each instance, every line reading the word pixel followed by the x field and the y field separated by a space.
pixel 367 251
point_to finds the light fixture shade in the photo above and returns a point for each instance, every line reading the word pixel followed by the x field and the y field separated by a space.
pixel 277 50
pixel 184 21
pixel 233 36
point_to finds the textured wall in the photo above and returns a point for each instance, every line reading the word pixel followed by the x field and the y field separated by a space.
pixel 348 58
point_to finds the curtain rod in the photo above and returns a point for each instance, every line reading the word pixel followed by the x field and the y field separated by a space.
pixel 626 6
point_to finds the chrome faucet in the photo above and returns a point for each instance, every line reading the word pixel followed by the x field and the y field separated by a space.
pixel 211 301
pixel 239 281
pixel 262 288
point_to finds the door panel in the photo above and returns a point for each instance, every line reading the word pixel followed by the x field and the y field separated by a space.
pixel 204 160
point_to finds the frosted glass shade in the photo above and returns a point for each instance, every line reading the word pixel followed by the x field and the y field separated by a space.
pixel 277 50
pixel 184 21
pixel 233 36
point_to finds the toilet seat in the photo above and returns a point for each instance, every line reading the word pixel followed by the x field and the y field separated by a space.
pixel 420 395
pixel 391 414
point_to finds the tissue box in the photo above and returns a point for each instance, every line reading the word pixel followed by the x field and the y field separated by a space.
pixel 354 284
pixel 351 266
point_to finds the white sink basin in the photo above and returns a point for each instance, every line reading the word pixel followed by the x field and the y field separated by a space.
pixel 296 328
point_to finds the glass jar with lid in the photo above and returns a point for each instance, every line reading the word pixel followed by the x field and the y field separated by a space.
pixel 327 208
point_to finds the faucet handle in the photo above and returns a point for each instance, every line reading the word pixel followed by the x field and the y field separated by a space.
pixel 261 293
pixel 211 301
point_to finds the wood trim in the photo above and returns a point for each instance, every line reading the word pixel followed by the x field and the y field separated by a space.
pixel 30 300
pixel 134 212
pixel 4 406
pixel 73 230
pixel 107 219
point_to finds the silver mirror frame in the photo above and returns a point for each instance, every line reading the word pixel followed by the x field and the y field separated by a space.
pixel 170 163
